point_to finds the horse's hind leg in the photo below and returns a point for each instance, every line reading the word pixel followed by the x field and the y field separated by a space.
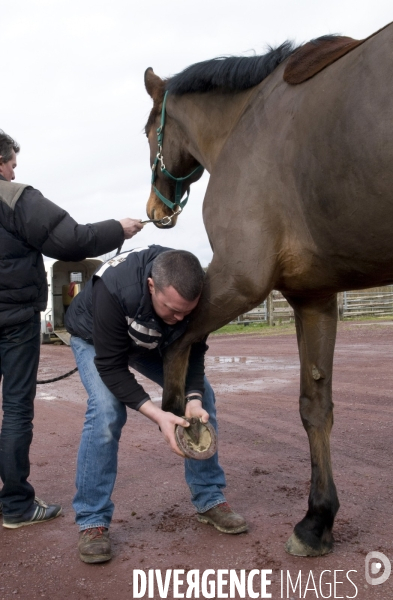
pixel 316 324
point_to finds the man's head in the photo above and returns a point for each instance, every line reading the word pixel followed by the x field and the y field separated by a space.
pixel 8 151
pixel 175 285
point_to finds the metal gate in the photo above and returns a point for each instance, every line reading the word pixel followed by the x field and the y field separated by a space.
pixel 372 302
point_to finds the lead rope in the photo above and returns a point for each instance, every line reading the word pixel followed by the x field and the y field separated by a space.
pixel 57 378
pixel 42 381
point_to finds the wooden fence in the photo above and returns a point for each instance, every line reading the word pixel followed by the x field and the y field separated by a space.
pixel 374 302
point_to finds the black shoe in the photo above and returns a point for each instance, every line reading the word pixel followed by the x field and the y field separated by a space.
pixel 38 513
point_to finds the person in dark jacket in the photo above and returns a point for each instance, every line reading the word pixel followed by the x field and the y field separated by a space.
pixel 31 225
pixel 133 308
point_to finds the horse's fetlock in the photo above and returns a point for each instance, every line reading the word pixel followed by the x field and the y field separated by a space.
pixel 324 510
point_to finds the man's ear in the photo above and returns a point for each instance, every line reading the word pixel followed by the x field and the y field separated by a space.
pixel 150 284
pixel 1 159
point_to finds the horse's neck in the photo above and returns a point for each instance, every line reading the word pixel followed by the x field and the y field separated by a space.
pixel 207 120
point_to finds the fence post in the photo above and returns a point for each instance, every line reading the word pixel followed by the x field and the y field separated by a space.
pixel 340 305
pixel 269 309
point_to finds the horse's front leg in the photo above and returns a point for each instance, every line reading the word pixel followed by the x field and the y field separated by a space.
pixel 316 324
pixel 175 370
pixel 225 296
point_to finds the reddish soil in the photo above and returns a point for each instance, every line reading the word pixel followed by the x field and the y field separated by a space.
pixel 264 451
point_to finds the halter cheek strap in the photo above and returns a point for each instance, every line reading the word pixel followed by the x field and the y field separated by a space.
pixel 178 202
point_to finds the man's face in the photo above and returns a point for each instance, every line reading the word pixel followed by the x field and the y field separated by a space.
pixel 169 305
pixel 7 168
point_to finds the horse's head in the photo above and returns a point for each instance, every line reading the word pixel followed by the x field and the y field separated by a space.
pixel 174 169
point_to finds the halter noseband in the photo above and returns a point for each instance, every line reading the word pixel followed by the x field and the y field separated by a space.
pixel 179 180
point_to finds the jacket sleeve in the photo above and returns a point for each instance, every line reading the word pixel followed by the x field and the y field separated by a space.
pixel 112 343
pixel 196 368
pixel 51 230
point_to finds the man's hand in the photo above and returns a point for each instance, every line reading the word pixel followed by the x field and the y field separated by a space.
pixel 131 227
pixel 194 409
pixel 166 422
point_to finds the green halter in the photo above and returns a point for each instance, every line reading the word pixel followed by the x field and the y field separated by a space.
pixel 179 180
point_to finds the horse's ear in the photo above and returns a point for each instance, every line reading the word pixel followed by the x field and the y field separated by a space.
pixel 154 85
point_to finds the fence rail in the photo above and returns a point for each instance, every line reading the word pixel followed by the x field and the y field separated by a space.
pixel 370 302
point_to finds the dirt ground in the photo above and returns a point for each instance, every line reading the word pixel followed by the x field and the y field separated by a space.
pixel 264 451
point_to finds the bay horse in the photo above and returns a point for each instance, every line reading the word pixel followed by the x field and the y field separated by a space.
pixel 300 199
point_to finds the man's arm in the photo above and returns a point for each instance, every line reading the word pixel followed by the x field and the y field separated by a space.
pixel 195 382
pixel 111 343
pixel 196 368
pixel 52 231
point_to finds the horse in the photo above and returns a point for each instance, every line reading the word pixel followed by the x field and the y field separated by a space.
pixel 300 199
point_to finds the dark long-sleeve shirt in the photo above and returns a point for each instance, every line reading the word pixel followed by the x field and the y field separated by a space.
pixel 113 348
pixel 115 312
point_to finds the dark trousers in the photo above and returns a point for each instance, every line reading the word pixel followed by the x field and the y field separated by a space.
pixel 19 357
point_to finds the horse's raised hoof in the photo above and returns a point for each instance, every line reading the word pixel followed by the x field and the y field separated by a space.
pixel 296 547
pixel 198 441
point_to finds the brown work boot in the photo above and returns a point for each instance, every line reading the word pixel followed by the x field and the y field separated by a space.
pixel 94 545
pixel 223 518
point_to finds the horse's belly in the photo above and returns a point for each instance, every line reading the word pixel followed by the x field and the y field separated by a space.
pixel 334 270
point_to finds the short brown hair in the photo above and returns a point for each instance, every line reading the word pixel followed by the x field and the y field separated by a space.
pixel 7 145
pixel 181 270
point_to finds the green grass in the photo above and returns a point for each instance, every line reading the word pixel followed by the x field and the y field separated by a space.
pixel 370 318
pixel 261 328
pixel 265 329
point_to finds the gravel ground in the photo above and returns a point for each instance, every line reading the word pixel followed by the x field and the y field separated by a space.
pixel 264 452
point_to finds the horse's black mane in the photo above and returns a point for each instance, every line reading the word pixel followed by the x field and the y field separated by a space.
pixel 232 73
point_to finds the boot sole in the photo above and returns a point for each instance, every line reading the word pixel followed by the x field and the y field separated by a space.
pixel 26 523
pixel 94 558
pixel 240 529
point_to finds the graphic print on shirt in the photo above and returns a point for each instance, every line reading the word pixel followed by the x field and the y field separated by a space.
pixel 117 260
pixel 142 336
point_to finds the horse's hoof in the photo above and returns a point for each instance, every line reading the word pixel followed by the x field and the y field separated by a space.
pixel 198 441
pixel 296 547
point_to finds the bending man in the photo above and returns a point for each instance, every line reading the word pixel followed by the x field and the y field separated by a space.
pixel 133 308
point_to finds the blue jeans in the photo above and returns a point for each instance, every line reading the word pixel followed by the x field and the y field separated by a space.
pixel 19 357
pixel 97 456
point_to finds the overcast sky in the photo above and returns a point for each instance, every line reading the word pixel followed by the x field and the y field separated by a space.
pixel 73 94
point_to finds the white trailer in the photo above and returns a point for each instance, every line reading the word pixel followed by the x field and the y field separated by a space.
pixel 65 281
